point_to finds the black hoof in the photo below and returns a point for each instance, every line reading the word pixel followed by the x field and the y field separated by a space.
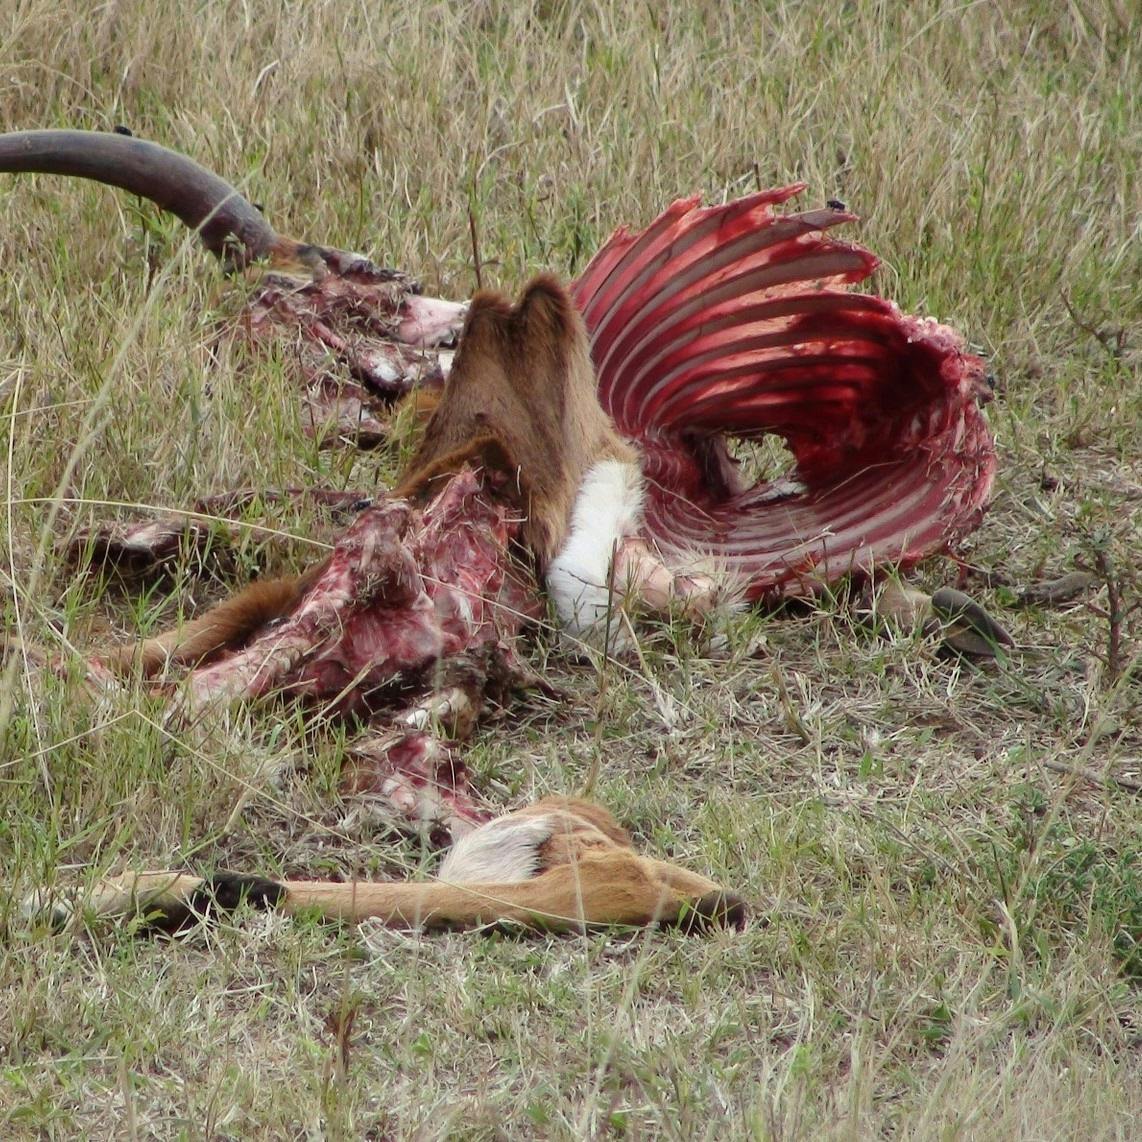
pixel 714 910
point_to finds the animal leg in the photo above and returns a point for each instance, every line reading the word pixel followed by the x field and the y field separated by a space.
pixel 602 888
pixel 222 627
pixel 613 887
pixel 558 865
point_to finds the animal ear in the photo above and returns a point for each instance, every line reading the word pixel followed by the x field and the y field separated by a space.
pixel 547 315
pixel 484 351
pixel 488 313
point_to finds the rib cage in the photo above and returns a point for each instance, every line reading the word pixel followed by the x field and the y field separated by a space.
pixel 735 321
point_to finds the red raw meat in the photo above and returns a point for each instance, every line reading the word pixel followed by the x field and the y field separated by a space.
pixel 419 777
pixel 714 322
pixel 403 589
pixel 735 321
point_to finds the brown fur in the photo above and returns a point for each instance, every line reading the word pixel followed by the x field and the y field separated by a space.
pixel 589 875
pixel 223 627
pixel 521 399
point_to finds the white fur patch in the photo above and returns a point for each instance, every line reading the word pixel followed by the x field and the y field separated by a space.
pixel 504 851
pixel 607 509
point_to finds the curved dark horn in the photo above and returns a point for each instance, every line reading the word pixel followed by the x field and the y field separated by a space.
pixel 229 226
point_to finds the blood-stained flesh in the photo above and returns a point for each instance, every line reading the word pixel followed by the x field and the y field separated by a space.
pixel 403 590
pixel 732 321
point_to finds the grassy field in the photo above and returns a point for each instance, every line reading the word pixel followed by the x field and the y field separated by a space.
pixel 945 862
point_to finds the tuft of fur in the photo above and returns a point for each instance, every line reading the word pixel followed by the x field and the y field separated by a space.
pixel 608 509
pixel 504 851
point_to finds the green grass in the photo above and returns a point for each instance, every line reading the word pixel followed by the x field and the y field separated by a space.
pixel 946 929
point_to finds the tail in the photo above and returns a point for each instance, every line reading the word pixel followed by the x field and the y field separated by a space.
pixel 731 322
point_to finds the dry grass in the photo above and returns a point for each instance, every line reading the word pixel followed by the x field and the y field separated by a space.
pixel 946 933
